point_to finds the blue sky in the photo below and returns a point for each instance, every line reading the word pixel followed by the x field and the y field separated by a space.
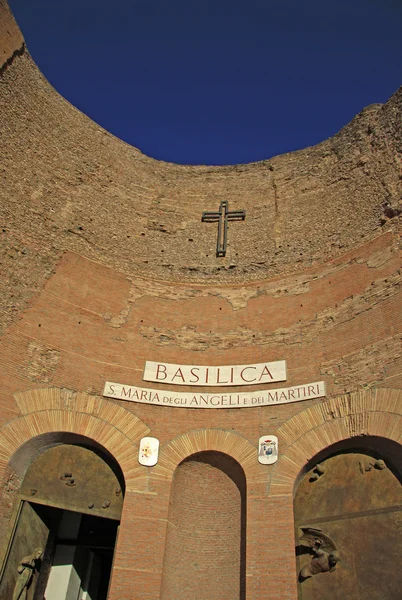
pixel 222 81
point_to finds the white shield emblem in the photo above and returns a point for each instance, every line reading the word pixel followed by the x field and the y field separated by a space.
pixel 148 453
pixel 268 449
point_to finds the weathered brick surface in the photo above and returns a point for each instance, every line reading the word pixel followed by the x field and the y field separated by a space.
pixel 105 264
pixel 90 193
pixel 204 556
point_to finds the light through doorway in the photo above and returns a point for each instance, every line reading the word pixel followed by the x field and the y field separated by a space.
pixel 64 530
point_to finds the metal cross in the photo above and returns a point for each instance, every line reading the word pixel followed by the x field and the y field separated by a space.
pixel 223 216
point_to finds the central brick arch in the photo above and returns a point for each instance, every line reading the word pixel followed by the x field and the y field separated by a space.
pixel 205 549
pixel 198 444
pixel 204 440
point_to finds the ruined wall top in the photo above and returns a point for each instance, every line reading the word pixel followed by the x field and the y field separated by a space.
pixel 70 185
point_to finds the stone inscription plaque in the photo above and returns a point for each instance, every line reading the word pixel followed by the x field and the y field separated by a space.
pixel 200 400
pixel 227 375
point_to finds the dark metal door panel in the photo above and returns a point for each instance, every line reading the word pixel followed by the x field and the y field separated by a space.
pixel 30 532
pixel 340 584
pixel 74 478
pixel 378 544
pixel 357 503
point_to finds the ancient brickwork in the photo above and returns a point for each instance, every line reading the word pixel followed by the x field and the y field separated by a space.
pixel 105 264
pixel 206 525
pixel 11 40
pixel 90 193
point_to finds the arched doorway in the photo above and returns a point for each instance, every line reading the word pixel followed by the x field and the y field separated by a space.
pixel 205 552
pixel 64 528
pixel 349 501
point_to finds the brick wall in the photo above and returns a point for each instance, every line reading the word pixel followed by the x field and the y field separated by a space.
pixel 90 193
pixel 205 544
pixel 105 264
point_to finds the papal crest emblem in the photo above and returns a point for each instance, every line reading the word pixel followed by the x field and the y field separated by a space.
pixel 268 449
pixel 149 450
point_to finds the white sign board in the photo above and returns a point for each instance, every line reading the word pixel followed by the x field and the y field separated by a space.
pixel 256 374
pixel 200 400
pixel 268 449
pixel 148 452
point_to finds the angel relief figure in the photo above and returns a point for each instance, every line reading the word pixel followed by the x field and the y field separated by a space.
pixel 325 554
pixel 26 570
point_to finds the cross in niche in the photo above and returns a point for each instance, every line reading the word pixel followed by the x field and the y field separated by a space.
pixel 222 216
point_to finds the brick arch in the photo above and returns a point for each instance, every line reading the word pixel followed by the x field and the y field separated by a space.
pixel 204 440
pixel 207 520
pixel 191 451
pixel 52 410
pixel 366 413
pixel 374 413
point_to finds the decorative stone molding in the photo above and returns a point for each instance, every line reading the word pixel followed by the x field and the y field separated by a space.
pixel 376 412
pixel 227 442
pixel 51 410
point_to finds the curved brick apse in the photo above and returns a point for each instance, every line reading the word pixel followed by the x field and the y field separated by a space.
pixel 106 264
pixel 87 189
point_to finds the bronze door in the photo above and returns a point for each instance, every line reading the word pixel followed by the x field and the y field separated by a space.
pixel 355 500
pixel 63 480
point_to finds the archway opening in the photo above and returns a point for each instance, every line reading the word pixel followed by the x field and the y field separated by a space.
pixel 62 536
pixel 205 555
pixel 348 525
